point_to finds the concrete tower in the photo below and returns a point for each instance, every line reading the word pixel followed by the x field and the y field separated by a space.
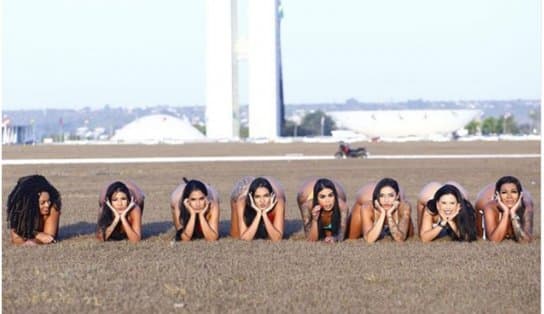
pixel 221 70
pixel 264 77
pixel 264 69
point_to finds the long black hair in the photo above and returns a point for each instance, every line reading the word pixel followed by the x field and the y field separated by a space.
pixel 320 185
pixel 23 209
pixel 249 213
pixel 106 216
pixel 465 219
pixel 190 186
pixel 381 184
pixel 514 180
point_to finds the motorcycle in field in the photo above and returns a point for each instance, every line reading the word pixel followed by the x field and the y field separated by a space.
pixel 344 151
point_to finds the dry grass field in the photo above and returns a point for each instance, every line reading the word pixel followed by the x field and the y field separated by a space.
pixel 82 275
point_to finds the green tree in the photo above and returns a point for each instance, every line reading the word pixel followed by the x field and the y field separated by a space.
pixel 489 126
pixel 472 127
pixel 507 125
pixel 315 124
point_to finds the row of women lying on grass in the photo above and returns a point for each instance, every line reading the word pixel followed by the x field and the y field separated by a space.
pixel 502 211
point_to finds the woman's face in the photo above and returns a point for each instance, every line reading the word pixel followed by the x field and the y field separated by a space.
pixel 197 200
pixel 262 197
pixel 325 199
pixel 44 203
pixel 119 201
pixel 509 194
pixel 448 206
pixel 387 196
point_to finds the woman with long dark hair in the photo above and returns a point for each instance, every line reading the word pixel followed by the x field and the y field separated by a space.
pixel 448 214
pixel 322 204
pixel 507 210
pixel 427 193
pixel 381 210
pixel 195 211
pixel 33 211
pixel 121 205
pixel 257 209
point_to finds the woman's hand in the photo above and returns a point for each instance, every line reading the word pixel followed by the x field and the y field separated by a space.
pixel 393 208
pixel 205 209
pixel 45 238
pixel 516 206
pixel 187 205
pixel 379 207
pixel 329 239
pixel 253 205
pixel 129 207
pixel 502 206
pixel 116 214
pixel 315 212
pixel 273 202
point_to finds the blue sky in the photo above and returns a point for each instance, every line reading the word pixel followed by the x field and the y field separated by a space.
pixel 72 54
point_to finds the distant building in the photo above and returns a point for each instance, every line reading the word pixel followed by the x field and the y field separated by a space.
pixel 17 134
pixel 158 128
pixel 404 123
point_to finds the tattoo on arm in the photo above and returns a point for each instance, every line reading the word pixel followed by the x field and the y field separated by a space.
pixel 306 219
pixel 343 224
pixel 519 234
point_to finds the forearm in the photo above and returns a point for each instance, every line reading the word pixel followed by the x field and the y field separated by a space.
pixel 273 233
pixel 210 233
pixel 110 229
pixel 249 233
pixel 313 233
pixel 132 235
pixel 519 234
pixel 499 233
pixel 430 234
pixel 395 229
pixel 189 229
pixel 374 233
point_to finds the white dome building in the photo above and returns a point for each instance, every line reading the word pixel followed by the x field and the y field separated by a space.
pixel 158 128
pixel 404 123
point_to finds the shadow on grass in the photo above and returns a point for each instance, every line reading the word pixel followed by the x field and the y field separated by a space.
pixel 78 229
pixel 291 227
pixel 156 228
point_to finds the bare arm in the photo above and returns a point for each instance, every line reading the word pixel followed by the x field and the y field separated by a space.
pixel 371 228
pixel 495 228
pixel 275 229
pixel 399 231
pixel 428 232
pixel 133 229
pixel 209 227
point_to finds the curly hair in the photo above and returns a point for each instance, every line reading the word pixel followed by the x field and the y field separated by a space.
pixel 23 211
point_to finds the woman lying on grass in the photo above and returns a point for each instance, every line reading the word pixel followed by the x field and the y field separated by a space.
pixel 121 205
pixel 324 211
pixel 195 211
pixel 507 210
pixel 427 193
pixel 448 214
pixel 381 210
pixel 33 211
pixel 257 209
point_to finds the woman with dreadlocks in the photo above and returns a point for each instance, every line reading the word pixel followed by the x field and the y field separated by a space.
pixel 195 211
pixel 324 211
pixel 121 205
pixel 33 211
pixel 257 209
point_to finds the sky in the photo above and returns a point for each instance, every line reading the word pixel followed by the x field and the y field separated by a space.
pixel 135 53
